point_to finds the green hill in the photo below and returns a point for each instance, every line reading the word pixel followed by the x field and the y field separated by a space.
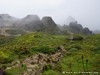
pixel 83 55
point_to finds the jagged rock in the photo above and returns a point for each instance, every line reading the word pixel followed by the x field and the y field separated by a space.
pixel 56 57
pixel 75 28
pixel 47 21
pixel 29 66
pixel 36 64
pixel 50 25
pixel 61 49
pixel 86 31
pixel 29 70
pixel 8 68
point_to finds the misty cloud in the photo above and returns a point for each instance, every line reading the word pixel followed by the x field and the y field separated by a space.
pixel 86 12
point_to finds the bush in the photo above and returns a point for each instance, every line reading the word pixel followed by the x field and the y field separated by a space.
pixel 16 70
pixel 44 49
pixel 74 47
pixel 47 67
pixel 3 57
pixel 37 36
pixel 51 72
pixel 77 38
pixel 96 50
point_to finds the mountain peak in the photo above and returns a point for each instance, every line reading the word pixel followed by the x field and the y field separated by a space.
pixel 48 20
pixel 32 17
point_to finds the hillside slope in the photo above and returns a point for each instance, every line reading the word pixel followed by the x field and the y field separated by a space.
pixel 83 55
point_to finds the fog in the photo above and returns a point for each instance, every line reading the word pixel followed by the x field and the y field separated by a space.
pixel 86 12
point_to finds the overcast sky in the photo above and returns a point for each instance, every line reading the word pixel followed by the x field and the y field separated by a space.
pixel 86 12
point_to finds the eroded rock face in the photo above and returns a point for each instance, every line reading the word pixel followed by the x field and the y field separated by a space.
pixel 76 28
pixel 48 21
pixel 50 25
pixel 36 64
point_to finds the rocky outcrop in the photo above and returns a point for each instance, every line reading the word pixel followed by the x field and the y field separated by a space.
pixel 86 31
pixel 50 25
pixel 37 63
pixel 30 23
pixel 76 28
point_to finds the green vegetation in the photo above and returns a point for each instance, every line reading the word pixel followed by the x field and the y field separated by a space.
pixel 16 71
pixel 51 72
pixel 5 39
pixel 44 49
pixel 23 46
pixel 83 55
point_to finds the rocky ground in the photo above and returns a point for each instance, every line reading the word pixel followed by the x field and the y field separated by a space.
pixel 37 63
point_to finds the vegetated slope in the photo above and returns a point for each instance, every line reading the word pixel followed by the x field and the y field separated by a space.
pixel 83 55
pixel 27 44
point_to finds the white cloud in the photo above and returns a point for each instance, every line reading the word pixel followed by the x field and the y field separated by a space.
pixel 85 11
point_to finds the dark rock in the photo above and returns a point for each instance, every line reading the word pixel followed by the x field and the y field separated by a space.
pixel 76 28
pixel 30 23
pixel 76 38
pixel 50 25
pixel 86 31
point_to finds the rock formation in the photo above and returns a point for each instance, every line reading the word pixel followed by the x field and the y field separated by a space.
pixel 30 23
pixel 37 63
pixel 76 28
pixel 50 25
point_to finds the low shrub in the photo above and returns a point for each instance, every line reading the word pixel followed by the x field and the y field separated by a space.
pixel 47 67
pixel 44 49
